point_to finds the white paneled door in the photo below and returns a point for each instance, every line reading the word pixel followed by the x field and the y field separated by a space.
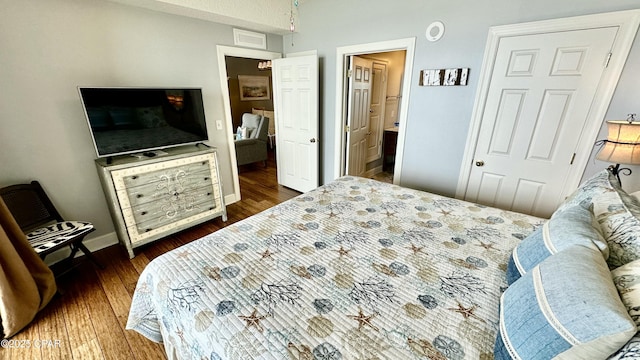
pixel 541 90
pixel 360 79
pixel 376 117
pixel 295 95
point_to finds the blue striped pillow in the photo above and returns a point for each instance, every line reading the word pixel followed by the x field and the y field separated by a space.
pixel 575 225
pixel 567 306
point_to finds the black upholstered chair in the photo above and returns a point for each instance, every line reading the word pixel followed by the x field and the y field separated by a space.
pixel 46 230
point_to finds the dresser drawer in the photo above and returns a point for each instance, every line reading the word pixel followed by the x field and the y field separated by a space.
pixel 161 175
pixel 171 183
pixel 138 233
pixel 157 217
pixel 133 177
pixel 174 207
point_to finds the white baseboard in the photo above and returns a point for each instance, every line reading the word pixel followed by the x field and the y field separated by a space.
pixel 374 171
pixel 93 244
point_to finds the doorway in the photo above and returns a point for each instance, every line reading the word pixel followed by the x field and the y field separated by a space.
pixel 372 118
pixel 251 55
pixel 393 117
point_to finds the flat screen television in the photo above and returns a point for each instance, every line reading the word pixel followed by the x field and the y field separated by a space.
pixel 126 120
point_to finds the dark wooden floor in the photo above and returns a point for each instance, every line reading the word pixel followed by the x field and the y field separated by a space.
pixel 89 318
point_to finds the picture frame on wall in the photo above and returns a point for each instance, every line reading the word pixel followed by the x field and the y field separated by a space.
pixel 254 87
pixel 444 77
pixel 436 77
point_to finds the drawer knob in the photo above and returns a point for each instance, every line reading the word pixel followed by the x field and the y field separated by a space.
pixel 134 177
pixel 206 178
pixel 143 213
pixel 139 196
pixel 208 194
pixel 176 193
pixel 149 229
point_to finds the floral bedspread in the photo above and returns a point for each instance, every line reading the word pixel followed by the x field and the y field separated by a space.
pixel 356 269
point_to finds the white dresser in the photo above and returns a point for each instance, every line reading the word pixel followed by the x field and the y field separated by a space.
pixel 151 198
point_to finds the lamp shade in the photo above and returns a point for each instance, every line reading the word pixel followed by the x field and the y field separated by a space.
pixel 623 143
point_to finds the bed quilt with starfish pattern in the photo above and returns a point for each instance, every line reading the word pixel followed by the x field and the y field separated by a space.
pixel 356 269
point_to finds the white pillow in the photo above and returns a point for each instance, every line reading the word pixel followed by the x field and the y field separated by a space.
pixel 242 133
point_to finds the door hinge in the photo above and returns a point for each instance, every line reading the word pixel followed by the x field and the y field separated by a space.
pixel 573 157
pixel 606 64
pixel 349 73
pixel 346 128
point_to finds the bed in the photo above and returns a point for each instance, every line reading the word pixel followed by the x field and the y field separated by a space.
pixel 356 269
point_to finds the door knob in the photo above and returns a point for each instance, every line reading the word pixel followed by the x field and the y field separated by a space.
pixel 479 163
pixel 312 140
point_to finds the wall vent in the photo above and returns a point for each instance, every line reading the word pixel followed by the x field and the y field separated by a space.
pixel 249 39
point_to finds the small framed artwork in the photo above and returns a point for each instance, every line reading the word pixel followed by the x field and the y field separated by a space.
pixel 254 87
pixel 424 77
pixel 450 77
pixel 464 73
pixel 436 77
pixel 444 77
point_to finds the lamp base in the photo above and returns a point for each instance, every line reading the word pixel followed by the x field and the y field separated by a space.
pixel 616 170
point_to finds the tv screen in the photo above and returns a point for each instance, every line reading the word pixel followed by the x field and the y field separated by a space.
pixel 131 120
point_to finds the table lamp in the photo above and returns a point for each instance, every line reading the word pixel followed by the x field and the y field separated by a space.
pixel 622 145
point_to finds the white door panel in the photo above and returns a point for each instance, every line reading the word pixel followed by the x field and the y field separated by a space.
pixel 541 91
pixel 295 94
pixel 358 114
pixel 376 117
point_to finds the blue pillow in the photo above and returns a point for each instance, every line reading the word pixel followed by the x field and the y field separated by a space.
pixel 575 225
pixel 567 306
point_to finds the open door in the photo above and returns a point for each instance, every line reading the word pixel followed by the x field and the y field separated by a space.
pixel 295 95
pixel 360 79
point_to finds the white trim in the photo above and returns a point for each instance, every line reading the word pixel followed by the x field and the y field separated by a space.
pixel 407 44
pixel 546 238
pixel 226 102
pixel 373 172
pixel 628 22
pixel 301 53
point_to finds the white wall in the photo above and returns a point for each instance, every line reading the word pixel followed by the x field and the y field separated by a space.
pixel 438 116
pixel 272 16
pixel 48 48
